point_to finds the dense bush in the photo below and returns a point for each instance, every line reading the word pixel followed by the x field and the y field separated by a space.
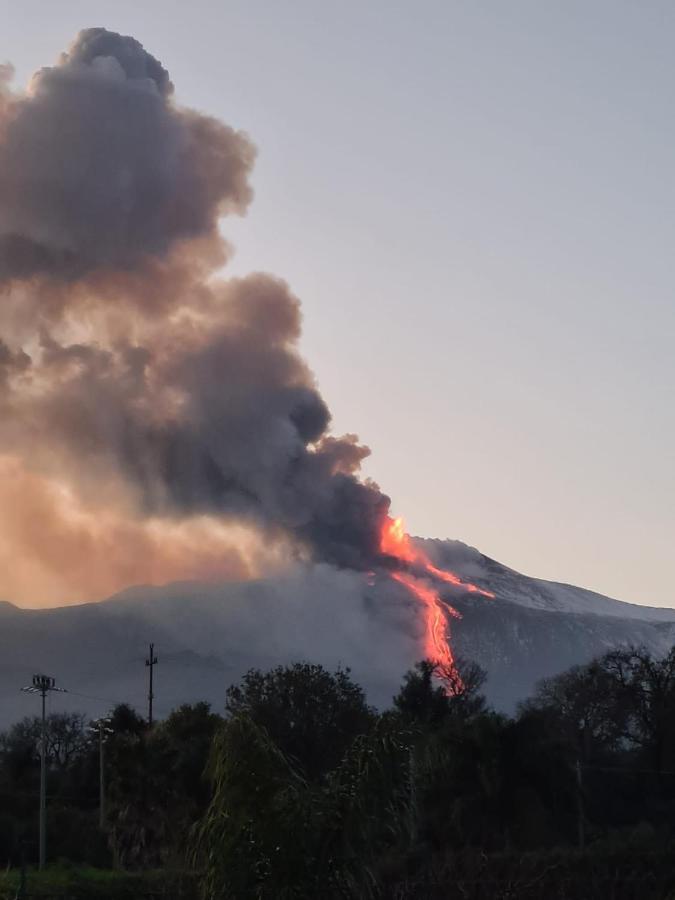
pixel 624 873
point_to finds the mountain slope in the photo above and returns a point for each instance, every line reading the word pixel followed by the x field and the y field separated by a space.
pixel 536 593
pixel 207 635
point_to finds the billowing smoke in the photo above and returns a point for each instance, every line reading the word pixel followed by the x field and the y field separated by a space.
pixel 100 171
pixel 129 372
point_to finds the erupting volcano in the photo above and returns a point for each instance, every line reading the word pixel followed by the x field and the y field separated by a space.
pixel 147 403
pixel 418 576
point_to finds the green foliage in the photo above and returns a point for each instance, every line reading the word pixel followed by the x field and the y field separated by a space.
pixel 431 695
pixel 621 872
pixel 311 714
pixel 583 705
pixel 645 687
pixel 309 793
pixel 87 883
pixel 126 722
pixel 155 787
pixel 270 833
pixel 422 700
pixel 622 701
pixel 157 790
pixel 72 787
pixel 65 734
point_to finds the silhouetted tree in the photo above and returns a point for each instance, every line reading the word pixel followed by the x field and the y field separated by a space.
pixel 312 715
pixel 645 688
pixel 423 700
pixel 157 789
pixel 431 694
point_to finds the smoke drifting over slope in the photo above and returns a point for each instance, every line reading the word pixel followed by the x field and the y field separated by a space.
pixel 129 374
pixel 54 549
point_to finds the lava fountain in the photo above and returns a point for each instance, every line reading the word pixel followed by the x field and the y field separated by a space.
pixel 417 574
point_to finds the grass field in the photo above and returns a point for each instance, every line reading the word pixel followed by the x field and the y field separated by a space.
pixel 66 883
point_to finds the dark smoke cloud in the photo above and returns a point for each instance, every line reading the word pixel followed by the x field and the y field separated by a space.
pixel 124 365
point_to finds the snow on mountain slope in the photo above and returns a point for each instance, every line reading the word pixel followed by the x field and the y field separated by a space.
pixel 518 645
pixel 536 593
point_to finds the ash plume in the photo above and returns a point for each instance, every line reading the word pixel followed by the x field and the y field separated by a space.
pixel 128 369
pixel 100 170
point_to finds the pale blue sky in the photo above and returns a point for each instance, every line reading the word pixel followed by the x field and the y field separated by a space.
pixel 476 204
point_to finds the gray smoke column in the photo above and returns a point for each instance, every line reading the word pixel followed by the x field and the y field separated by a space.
pixel 99 170
pixel 124 361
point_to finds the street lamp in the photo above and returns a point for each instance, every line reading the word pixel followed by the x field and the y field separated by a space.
pixel 102 726
pixel 43 684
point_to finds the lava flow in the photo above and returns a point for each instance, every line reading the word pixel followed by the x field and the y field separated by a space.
pixel 396 543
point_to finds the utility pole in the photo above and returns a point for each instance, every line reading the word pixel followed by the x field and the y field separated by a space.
pixel 151 662
pixel 43 684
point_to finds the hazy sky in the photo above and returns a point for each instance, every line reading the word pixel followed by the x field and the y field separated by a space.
pixel 476 204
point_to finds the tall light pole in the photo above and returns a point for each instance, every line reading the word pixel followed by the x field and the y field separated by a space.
pixel 43 684
pixel 102 726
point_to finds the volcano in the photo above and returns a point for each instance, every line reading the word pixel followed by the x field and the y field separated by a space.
pixel 159 422
pixel 208 634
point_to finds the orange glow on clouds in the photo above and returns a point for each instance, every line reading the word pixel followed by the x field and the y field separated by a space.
pixel 57 549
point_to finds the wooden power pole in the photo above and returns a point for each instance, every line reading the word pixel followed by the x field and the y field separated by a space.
pixel 151 662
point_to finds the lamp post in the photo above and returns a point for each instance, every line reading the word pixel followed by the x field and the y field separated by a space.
pixel 43 684
pixel 102 726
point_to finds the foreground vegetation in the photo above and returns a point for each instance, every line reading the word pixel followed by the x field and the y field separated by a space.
pixel 86 883
pixel 628 872
pixel 301 790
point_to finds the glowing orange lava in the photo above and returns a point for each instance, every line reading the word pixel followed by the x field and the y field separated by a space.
pixel 394 541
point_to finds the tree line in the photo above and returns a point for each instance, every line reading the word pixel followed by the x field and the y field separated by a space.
pixel 301 789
